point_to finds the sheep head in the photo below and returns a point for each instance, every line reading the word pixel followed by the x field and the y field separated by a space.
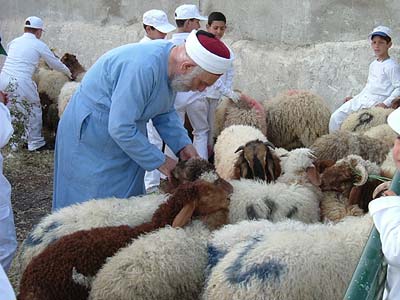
pixel 257 160
pixel 349 176
pixel 72 64
pixel 208 201
pixel 186 171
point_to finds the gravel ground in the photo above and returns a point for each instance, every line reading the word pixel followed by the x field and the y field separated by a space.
pixel 31 178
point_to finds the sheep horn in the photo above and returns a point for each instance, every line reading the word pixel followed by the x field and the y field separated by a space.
pixel 269 144
pixel 362 172
pixel 239 149
pixel 384 186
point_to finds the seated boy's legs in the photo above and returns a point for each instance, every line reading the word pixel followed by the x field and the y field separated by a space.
pixel 358 102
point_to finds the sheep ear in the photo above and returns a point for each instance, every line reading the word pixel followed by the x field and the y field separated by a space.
pixel 362 172
pixel 239 149
pixel 324 164
pixel 184 216
pixel 355 195
pixel 313 176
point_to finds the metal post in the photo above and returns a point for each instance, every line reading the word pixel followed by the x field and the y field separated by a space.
pixel 368 280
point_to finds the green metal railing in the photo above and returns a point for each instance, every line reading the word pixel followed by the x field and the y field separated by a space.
pixel 368 281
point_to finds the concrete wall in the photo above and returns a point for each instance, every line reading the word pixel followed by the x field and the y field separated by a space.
pixel 318 45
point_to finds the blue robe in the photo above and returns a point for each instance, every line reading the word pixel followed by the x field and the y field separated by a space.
pixel 101 146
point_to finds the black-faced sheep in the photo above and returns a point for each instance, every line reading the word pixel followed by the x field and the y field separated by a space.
pixel 62 270
pixel 244 152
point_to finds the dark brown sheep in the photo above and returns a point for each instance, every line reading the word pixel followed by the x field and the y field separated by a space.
pixel 73 65
pixel 257 161
pixel 50 275
pixel 348 178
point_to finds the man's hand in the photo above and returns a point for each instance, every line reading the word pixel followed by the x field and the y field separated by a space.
pixel 3 98
pixel 348 98
pixel 381 105
pixel 167 166
pixel 188 152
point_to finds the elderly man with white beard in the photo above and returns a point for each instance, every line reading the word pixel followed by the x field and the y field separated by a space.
pixel 101 147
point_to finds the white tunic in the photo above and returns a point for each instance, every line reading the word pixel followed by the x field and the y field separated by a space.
pixel 386 214
pixel 8 242
pixel 24 54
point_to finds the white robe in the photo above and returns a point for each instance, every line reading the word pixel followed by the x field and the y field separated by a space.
pixel 386 214
pixel 8 239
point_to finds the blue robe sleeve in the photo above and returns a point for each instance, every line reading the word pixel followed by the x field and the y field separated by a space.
pixel 171 130
pixel 132 87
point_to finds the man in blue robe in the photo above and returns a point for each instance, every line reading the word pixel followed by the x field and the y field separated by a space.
pixel 101 146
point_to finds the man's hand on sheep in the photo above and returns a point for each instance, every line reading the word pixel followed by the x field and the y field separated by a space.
pixel 188 152
pixel 347 99
pixel 167 166
pixel 3 98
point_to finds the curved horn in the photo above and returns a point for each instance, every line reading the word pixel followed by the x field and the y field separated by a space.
pixel 239 149
pixel 269 144
pixel 185 214
pixel 362 172
pixel 384 186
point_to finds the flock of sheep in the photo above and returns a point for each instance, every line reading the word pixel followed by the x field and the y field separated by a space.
pixel 281 214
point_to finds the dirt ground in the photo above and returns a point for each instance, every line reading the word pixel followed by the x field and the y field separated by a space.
pixel 31 178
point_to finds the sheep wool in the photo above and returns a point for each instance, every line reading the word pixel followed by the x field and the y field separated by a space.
pixel 166 264
pixel 65 95
pixel 279 264
pixel 90 214
pixel 229 113
pixel 382 132
pixel 340 144
pixel 228 142
pixel 296 119
pixel 276 201
pixel 364 119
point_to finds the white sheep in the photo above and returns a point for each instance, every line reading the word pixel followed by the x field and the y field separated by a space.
pixel 364 119
pixel 296 119
pixel 65 95
pixel 382 132
pixel 340 144
pixel 230 113
pixel 295 194
pixel 90 214
pixel 166 264
pixel 288 262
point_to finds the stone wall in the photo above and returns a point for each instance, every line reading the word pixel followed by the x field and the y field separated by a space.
pixel 290 44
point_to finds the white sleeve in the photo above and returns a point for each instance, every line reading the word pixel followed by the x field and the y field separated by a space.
pixel 386 215
pixel 53 61
pixel 394 77
pixel 224 84
pixel 6 129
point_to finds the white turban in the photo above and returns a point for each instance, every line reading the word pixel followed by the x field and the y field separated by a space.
pixel 206 59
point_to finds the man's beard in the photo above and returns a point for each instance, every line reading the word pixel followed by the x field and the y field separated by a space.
pixel 183 82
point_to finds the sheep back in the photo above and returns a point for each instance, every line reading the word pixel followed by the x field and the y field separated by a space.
pixel 296 119
pixel 90 214
pixel 315 263
pixel 65 95
pixel 166 264
pixel 364 119
pixel 340 144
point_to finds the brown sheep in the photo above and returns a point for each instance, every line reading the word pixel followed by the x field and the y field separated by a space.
pixel 50 275
pixel 348 188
